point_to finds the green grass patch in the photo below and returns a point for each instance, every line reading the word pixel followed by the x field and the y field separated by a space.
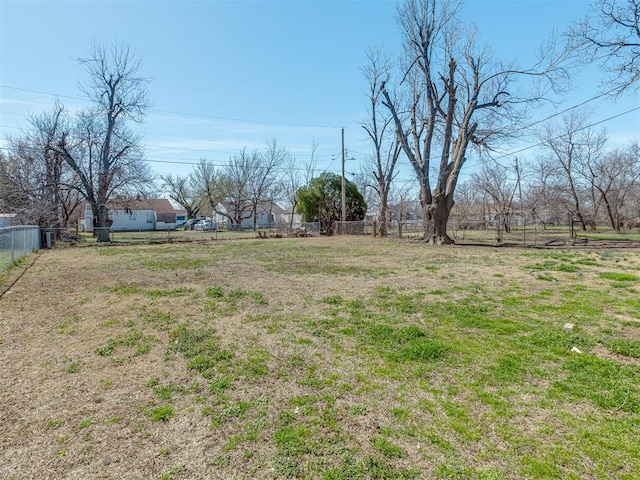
pixel 135 342
pixel 201 348
pixel 629 347
pixel 605 383
pixel 619 277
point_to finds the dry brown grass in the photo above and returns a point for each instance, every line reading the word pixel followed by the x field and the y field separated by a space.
pixel 68 412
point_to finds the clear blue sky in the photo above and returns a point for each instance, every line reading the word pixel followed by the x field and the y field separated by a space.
pixel 233 74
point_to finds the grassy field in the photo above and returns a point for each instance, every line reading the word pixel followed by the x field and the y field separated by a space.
pixel 321 358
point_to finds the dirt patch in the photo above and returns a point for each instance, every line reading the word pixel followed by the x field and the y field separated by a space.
pixel 601 352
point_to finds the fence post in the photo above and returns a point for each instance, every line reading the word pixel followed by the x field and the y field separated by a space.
pixel 13 242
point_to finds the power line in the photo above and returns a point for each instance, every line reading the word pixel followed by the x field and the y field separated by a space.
pixel 194 115
pixel 43 93
pixel 561 112
pixel 335 156
pixel 185 114
pixel 190 162
pixel 164 147
pixel 540 144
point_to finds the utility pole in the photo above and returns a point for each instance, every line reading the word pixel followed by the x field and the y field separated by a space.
pixel 344 196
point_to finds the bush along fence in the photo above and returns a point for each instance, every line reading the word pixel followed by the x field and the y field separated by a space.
pixel 16 242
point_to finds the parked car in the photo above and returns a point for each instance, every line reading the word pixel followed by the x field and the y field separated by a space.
pixel 190 224
pixel 206 225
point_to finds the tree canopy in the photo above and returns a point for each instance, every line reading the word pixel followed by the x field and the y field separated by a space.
pixel 321 201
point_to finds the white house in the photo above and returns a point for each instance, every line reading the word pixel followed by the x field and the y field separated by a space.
pixel 7 219
pixel 271 215
pixel 135 215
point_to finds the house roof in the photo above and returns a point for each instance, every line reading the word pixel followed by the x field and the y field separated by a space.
pixel 158 205
pixel 272 207
pixel 161 205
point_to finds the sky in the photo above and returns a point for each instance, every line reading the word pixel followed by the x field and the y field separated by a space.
pixel 228 75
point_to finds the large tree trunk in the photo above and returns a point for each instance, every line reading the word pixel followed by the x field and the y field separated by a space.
pixel 382 217
pixel 293 211
pixel 436 217
pixel 101 215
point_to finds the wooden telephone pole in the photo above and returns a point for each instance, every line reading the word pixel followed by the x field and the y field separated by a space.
pixel 344 196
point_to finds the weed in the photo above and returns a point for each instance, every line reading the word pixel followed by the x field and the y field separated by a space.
pixel 333 300
pixel 174 292
pixel 219 385
pixel 110 323
pixel 545 277
pixel 214 292
pixel 134 339
pixel 153 381
pixel 606 383
pixel 53 424
pixel 158 319
pixel 220 460
pixel 73 367
pixel 165 392
pixel 255 365
pixel 66 327
pixel 173 472
pixel 161 414
pixel 358 410
pixel 387 448
pixel 405 344
pixel 294 441
pixel 401 414
pixel 85 422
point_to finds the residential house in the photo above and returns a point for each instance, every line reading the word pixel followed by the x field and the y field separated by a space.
pixel 7 219
pixel 271 215
pixel 136 215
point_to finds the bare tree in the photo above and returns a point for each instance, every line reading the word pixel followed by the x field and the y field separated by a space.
pixel 573 146
pixel 212 186
pixel 263 181
pixel 544 192
pixel 499 184
pixel 36 182
pixel 184 190
pixel 615 176
pixel 403 204
pixel 610 34
pixel 466 210
pixel 379 128
pixel 294 175
pixel 456 97
pixel 236 181
pixel 104 154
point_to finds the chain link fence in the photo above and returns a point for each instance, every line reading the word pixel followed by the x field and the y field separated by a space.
pixel 349 228
pixel 16 242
